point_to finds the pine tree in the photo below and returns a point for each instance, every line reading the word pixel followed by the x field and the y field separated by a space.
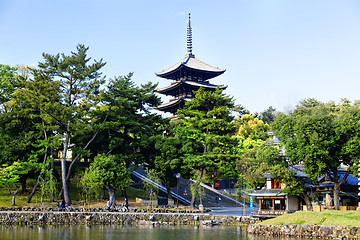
pixel 205 128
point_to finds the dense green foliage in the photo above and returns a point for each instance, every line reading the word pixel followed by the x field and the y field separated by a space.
pixel 65 104
pixel 205 128
pixel 322 136
pixel 108 172
pixel 168 155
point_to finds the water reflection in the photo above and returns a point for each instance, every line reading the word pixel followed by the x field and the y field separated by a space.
pixel 127 232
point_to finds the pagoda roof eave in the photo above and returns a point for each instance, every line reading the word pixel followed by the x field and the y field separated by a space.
pixel 191 84
pixel 171 104
pixel 192 65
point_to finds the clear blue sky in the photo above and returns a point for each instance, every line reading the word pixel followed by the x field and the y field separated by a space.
pixel 276 52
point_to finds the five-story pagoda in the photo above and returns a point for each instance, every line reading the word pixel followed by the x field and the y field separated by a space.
pixel 188 75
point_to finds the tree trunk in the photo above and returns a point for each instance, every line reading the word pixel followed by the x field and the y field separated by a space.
pixel 63 170
pixel 44 161
pixel 337 185
pixel 336 195
pixel 34 188
pixel 195 191
pixel 168 190
pixel 206 145
pixel 86 146
pixel 308 203
pixel 13 195
pixel 197 183
pixel 111 196
pixel 51 174
pixel 38 180
pixel 23 184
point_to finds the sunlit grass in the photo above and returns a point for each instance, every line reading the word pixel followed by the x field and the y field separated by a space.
pixel 76 195
pixel 325 218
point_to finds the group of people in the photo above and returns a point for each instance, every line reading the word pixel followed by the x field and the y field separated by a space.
pixel 125 205
pixel 61 205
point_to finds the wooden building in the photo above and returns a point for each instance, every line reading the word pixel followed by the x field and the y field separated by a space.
pixel 273 202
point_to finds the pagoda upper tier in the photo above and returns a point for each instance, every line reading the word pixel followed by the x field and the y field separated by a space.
pixel 189 75
pixel 191 68
pixel 185 88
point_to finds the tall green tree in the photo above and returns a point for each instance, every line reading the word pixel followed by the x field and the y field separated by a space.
pixel 250 166
pixel 167 161
pixel 252 128
pixel 206 127
pixel 130 123
pixel 9 82
pixel 323 137
pixel 40 96
pixel 251 134
pixel 19 128
pixel 79 84
pixel 268 116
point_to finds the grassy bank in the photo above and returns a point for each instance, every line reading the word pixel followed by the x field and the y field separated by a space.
pixel 325 218
pixel 75 194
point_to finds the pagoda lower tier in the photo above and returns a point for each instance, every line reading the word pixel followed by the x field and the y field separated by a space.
pixel 183 90
pixel 173 105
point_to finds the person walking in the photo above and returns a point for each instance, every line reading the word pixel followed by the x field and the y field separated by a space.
pixel 126 204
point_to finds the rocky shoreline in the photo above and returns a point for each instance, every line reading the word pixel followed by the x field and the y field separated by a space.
pixel 163 216
pixel 307 231
pixel 95 216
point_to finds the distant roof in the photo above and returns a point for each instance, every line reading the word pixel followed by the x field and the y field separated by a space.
pixel 191 68
pixel 350 180
pixel 297 170
pixel 191 84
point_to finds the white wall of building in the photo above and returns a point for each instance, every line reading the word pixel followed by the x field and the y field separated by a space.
pixel 268 183
pixel 68 154
pixel 293 203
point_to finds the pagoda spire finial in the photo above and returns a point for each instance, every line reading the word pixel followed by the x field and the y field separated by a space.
pixel 189 38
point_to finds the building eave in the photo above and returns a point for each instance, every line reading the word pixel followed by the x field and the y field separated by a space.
pixel 167 107
pixel 190 64
pixel 192 84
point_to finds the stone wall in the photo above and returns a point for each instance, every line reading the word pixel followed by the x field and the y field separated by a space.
pixel 120 218
pixel 307 231
pixel 154 202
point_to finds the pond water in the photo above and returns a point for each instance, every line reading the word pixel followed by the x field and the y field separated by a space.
pixel 126 232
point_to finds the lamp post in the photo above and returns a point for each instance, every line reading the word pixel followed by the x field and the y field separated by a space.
pixel 177 190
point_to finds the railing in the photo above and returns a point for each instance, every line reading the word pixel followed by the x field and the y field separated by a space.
pixel 220 193
pixel 323 208
pixel 271 212
pixel 162 188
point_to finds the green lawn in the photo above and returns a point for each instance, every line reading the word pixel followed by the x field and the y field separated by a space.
pixel 325 218
pixel 75 194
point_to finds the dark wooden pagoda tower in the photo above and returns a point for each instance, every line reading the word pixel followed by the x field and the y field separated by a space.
pixel 188 75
